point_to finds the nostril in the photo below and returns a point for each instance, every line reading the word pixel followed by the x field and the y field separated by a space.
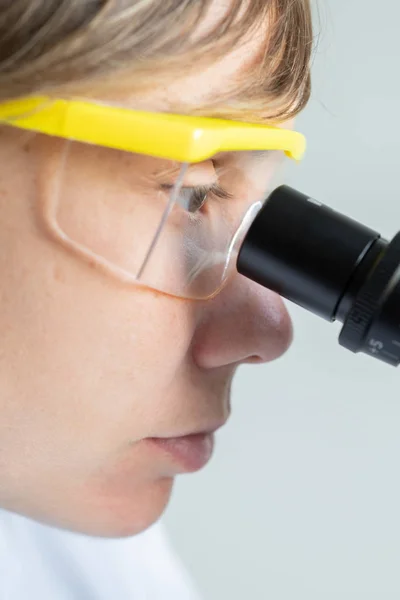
pixel 254 360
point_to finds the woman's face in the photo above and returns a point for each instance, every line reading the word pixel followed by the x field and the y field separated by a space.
pixel 91 369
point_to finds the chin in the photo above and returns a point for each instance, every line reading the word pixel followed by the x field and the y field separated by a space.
pixel 109 514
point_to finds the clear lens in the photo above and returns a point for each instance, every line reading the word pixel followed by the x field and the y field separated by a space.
pixel 170 226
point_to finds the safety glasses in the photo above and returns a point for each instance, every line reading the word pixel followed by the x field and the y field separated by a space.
pixel 160 200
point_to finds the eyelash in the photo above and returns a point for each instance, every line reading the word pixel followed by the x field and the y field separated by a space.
pixel 194 198
pixel 202 190
pixel 215 189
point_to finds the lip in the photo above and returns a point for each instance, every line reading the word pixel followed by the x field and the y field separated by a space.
pixel 190 452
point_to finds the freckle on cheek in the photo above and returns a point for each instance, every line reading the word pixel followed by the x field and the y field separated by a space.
pixel 59 274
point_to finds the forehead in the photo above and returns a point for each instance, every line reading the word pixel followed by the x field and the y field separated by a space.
pixel 221 76
pixel 197 88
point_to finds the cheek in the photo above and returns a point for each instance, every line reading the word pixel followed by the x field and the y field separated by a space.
pixel 82 355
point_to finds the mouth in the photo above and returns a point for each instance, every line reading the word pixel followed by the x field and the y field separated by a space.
pixel 188 452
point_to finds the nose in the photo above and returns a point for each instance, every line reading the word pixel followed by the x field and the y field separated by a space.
pixel 245 323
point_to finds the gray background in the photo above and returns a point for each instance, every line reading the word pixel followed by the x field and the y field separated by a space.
pixel 302 498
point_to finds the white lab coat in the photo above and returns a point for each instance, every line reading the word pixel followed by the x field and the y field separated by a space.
pixel 39 562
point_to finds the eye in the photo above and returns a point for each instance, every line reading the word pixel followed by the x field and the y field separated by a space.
pixel 192 200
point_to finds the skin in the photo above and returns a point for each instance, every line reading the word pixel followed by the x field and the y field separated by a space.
pixel 90 366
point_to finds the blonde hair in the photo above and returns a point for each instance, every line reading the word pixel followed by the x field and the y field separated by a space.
pixel 65 46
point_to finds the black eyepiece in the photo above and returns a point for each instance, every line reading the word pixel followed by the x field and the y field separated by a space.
pixel 330 265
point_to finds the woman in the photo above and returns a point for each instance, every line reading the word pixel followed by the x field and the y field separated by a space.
pixel 122 321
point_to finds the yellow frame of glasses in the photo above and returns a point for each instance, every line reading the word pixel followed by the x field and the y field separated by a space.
pixel 176 137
